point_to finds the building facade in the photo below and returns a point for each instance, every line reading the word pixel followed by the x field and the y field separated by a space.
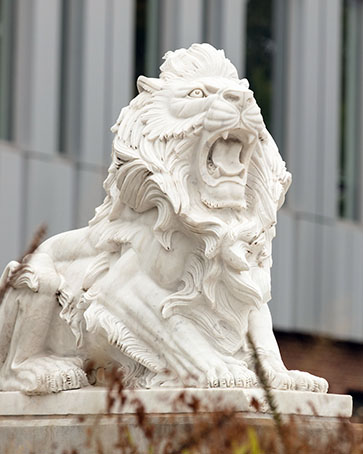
pixel 68 66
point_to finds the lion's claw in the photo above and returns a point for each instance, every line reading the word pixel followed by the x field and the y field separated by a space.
pixel 234 376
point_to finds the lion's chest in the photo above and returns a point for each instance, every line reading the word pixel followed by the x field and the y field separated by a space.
pixel 164 267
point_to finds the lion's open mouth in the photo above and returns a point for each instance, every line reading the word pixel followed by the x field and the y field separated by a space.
pixel 226 158
pixel 223 165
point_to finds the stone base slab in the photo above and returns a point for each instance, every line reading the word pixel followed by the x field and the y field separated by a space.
pixel 92 400
pixel 76 421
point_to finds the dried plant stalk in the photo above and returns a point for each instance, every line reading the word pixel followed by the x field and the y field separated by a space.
pixel 35 242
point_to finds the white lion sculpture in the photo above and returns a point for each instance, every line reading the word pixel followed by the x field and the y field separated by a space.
pixel 174 269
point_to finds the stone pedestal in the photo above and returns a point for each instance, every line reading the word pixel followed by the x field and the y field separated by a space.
pixel 79 419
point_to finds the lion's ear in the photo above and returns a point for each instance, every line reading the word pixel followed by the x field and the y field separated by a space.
pixel 149 84
pixel 244 82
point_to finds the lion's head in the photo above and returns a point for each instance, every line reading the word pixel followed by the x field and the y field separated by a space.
pixel 199 99
pixel 198 115
pixel 193 146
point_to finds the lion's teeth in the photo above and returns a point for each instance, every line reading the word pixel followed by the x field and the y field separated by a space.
pixel 225 135
pixel 217 172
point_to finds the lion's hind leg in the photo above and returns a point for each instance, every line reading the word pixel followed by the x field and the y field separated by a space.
pixel 27 363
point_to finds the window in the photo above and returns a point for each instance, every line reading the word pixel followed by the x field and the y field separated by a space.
pixel 357 404
pixel 351 110
pixel 6 67
pixel 259 55
pixel 147 38
pixel 265 60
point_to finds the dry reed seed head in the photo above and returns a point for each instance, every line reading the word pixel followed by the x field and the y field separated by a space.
pixel 36 239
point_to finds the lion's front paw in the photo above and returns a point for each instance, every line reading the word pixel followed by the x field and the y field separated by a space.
pixel 279 377
pixel 244 377
pixel 44 375
pixel 279 380
pixel 228 376
pixel 303 381
pixel 55 380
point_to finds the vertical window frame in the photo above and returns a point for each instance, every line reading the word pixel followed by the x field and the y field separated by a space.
pixel 7 18
pixel 70 90
pixel 350 202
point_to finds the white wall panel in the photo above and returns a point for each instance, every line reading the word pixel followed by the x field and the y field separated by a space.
pixel 342 284
pixel 303 103
pixel 360 125
pixel 225 24
pixel 181 23
pixel 356 282
pixel 190 22
pixel 283 251
pixel 341 303
pixel 23 76
pixel 120 83
pixel 184 21
pixel 292 127
pixel 233 38
pixel 11 205
pixel 329 112
pixel 49 196
pixel 90 194
pixel 313 104
pixel 94 80
pixel 328 277
pixel 306 268
pixel 37 76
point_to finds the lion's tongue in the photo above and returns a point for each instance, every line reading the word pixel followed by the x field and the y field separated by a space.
pixel 226 156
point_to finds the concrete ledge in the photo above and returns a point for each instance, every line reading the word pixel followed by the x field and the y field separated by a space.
pixel 92 434
pixel 92 401
pixel 76 421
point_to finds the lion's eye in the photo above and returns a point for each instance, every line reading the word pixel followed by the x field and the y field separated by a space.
pixel 197 93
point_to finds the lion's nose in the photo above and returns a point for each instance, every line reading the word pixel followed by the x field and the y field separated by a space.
pixel 237 97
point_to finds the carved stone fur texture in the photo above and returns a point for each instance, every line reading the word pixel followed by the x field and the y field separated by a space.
pixel 174 269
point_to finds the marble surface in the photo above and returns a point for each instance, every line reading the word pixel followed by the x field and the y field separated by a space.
pixel 92 400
